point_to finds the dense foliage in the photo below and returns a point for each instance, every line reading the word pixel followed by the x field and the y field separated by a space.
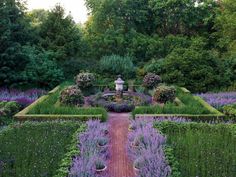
pixel 201 148
pixel 187 42
pixel 34 149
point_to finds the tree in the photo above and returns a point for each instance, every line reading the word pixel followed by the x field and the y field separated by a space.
pixel 226 25
pixel 14 33
pixel 60 34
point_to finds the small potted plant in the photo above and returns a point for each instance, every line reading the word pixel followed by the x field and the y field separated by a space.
pixel 135 143
pixel 100 166
pixel 132 127
pixel 105 131
pixel 102 142
pixel 137 166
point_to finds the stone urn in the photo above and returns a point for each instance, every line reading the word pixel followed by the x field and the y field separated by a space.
pixel 119 89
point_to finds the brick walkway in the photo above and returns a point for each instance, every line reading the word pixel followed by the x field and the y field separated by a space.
pixel 119 165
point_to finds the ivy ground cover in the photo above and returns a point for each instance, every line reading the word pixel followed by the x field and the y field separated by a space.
pixel 202 149
pixel 34 149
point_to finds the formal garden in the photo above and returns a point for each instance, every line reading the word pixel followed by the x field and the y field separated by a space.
pixel 143 89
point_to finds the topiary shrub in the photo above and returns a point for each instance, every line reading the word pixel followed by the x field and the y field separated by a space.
pixel 85 80
pixel 164 93
pixel 151 80
pixel 72 95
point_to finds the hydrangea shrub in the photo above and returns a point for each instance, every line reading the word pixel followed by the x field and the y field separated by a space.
pixel 72 95
pixel 164 93
pixel 151 80
pixel 85 80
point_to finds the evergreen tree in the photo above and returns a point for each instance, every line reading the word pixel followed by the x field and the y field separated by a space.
pixel 14 33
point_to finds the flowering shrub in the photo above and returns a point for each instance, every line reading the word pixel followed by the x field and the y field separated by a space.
pixel 151 80
pixel 146 149
pixel 92 156
pixel 85 80
pixel 218 100
pixel 164 93
pixel 23 98
pixel 72 95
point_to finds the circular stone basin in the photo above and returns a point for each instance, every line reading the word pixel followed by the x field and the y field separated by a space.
pixel 126 104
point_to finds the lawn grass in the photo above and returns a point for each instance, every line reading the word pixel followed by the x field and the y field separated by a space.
pixel 35 149
pixel 202 150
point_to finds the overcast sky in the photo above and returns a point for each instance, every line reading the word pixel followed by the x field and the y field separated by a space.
pixel 76 7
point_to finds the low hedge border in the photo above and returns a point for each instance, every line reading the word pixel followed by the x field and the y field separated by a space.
pixel 215 116
pixel 73 151
pixel 23 116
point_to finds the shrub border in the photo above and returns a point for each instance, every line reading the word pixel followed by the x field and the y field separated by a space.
pixel 23 116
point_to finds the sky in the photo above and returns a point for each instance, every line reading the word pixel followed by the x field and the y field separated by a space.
pixel 76 7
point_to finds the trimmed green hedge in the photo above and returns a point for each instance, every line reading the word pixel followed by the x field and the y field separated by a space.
pixel 36 149
pixel 202 149
pixel 48 107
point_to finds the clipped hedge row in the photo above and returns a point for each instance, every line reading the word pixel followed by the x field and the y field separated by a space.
pixel 35 149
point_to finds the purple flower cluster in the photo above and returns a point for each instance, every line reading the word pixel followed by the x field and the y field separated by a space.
pixel 219 100
pixel 145 147
pixel 23 98
pixel 91 153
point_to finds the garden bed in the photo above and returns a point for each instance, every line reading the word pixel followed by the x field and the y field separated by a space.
pixel 48 108
pixel 189 106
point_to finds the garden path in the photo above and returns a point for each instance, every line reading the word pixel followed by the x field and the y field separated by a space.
pixel 119 165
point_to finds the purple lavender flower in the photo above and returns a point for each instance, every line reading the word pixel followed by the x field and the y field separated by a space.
pixel 23 98
pixel 84 165
pixel 219 100
pixel 145 148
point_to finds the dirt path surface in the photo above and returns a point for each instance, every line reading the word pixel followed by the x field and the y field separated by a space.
pixel 119 165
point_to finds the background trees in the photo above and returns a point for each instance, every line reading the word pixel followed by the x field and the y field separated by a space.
pixel 189 43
